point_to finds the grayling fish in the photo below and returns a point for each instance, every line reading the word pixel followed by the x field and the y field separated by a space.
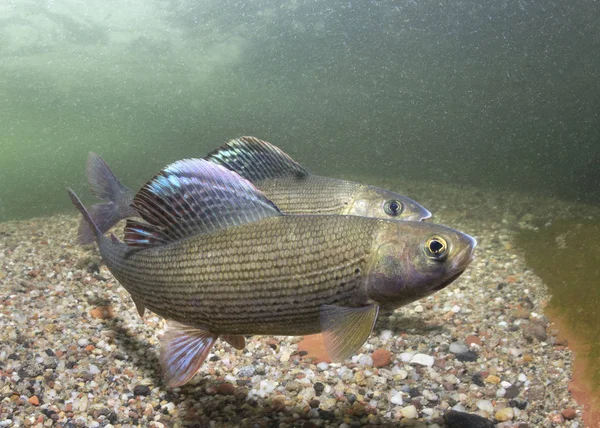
pixel 216 258
pixel 291 188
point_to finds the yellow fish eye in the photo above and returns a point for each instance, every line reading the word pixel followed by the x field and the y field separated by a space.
pixel 393 207
pixel 436 248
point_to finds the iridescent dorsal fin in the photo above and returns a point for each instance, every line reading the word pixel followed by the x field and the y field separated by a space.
pixel 256 160
pixel 194 196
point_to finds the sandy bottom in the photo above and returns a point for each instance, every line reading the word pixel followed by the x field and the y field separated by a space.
pixel 74 352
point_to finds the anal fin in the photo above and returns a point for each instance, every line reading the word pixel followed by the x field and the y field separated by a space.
pixel 346 329
pixel 236 340
pixel 183 350
pixel 141 308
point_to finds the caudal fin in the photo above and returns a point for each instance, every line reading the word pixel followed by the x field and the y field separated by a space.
pixel 104 216
pixel 96 233
pixel 105 185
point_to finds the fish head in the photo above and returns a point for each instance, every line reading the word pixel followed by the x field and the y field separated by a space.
pixel 411 260
pixel 374 202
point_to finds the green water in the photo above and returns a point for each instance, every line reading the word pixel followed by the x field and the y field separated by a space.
pixel 565 256
pixel 504 94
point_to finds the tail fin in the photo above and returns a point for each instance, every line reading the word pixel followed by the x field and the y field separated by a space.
pixel 86 215
pixel 104 217
pixel 105 185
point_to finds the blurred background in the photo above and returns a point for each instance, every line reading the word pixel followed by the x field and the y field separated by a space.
pixel 499 94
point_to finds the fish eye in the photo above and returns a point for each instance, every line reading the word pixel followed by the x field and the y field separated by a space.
pixel 393 207
pixel 436 248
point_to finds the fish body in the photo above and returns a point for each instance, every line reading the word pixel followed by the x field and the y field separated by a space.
pixel 218 259
pixel 285 182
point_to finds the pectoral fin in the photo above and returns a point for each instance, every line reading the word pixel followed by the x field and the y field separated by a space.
pixel 183 351
pixel 346 329
pixel 235 340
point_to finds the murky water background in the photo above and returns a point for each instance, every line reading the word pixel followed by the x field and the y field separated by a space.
pixel 504 94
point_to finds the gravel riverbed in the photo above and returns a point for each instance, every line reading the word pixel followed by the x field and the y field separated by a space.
pixel 74 352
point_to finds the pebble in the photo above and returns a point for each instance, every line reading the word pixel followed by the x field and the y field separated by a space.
pixel 365 360
pixel 386 335
pixel 142 390
pixel 430 396
pixel 535 331
pixel 381 358
pixel 473 340
pixel 396 398
pixel 93 369
pixel 409 412
pixel 492 379
pixel 456 419
pixel 486 406
pixel 512 391
pixel 458 348
pixel 246 371
pixel 323 366
pixel 423 360
pixel 569 413
pixel 405 357
pixel 504 415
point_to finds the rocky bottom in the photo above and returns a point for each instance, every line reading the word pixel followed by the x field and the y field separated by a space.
pixel 74 352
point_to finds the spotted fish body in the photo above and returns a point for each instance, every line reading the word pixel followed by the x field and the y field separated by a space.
pixel 285 182
pixel 217 258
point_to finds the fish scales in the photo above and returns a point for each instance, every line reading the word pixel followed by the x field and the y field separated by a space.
pixel 286 269
pixel 311 194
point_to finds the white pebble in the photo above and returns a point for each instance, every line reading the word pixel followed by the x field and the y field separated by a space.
pixel 405 357
pixel 500 392
pixel 323 366
pixel 83 403
pixel 427 411
pixel 285 357
pixel 505 384
pixel 456 309
pixel 401 373
pixel 423 360
pixel 430 396
pixel 522 377
pixel 418 309
pixel 265 388
pixel 459 408
pixel 386 334
pixel 307 394
pixel 94 369
pixel 485 405
pixel 83 342
pixel 409 412
pixel 396 397
pixel 365 360
pixel 459 347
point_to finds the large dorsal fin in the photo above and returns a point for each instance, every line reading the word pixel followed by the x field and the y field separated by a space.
pixel 256 160
pixel 194 196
